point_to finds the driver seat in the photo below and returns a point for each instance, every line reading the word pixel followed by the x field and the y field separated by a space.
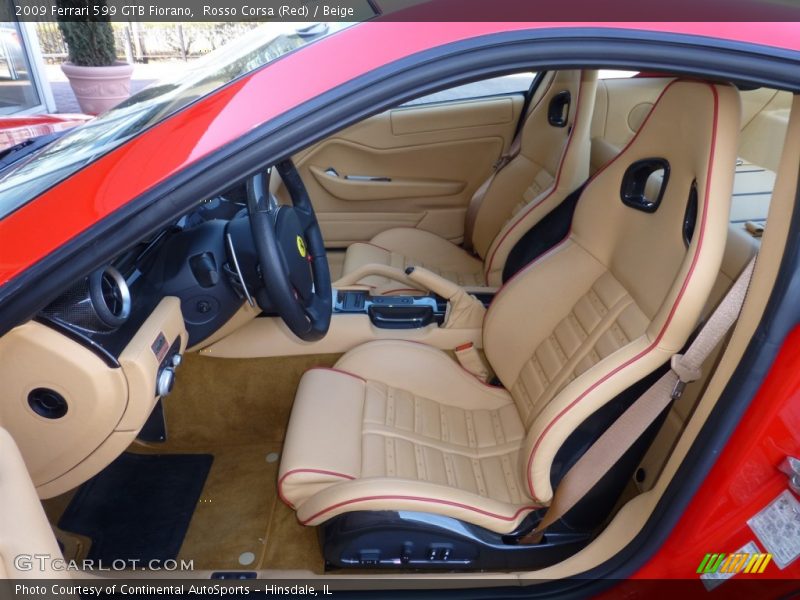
pixel 400 426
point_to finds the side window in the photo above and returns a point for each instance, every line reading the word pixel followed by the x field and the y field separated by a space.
pixel 518 83
pixel 613 74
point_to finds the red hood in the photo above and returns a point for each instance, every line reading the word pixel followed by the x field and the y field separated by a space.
pixel 14 130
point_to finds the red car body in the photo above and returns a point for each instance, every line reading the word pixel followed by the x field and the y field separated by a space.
pixel 745 477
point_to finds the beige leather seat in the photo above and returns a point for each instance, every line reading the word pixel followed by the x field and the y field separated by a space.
pixel 553 161
pixel 398 425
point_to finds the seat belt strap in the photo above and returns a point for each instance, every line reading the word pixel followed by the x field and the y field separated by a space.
pixel 513 150
pixel 477 198
pixel 617 439
pixel 469 358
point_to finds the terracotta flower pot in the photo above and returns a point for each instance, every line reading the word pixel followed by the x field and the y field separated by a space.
pixel 99 88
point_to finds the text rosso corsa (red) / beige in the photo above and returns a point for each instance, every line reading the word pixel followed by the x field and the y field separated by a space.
pixel 246 10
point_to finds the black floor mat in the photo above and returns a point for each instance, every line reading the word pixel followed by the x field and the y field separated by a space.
pixel 139 507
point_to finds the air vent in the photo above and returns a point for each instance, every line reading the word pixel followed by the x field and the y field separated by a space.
pixel 110 295
pixel 47 403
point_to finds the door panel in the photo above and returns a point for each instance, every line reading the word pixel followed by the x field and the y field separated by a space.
pixel 414 166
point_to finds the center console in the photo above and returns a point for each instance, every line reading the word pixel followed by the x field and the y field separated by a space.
pixel 396 312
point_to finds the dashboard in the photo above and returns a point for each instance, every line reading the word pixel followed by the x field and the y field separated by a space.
pixel 82 379
pixel 192 260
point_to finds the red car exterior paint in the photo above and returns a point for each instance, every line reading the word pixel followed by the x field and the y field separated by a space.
pixel 70 207
pixel 744 480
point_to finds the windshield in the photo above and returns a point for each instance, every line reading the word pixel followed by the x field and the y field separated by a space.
pixel 78 147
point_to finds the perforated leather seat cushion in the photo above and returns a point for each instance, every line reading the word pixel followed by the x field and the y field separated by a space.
pixel 406 412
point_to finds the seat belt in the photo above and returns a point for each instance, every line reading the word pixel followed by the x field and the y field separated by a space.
pixel 617 439
pixel 469 358
pixel 479 195
pixel 505 158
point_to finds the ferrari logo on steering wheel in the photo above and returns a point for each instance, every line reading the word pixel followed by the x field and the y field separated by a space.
pixel 301 246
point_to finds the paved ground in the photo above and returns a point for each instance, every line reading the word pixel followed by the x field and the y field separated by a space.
pixel 143 75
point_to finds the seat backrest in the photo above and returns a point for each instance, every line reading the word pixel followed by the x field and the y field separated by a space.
pixel 624 290
pixel 553 161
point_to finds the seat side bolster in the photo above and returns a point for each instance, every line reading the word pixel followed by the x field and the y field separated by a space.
pixel 323 440
pixel 24 529
pixel 385 494
pixel 579 400
pixel 572 171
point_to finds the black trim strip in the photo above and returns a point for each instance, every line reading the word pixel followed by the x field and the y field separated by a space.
pixel 82 339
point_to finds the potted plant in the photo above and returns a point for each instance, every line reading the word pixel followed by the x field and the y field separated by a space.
pixel 98 79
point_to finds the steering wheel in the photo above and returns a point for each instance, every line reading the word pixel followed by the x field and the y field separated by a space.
pixel 291 254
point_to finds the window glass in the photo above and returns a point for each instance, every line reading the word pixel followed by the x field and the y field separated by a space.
pixel 17 91
pixel 613 74
pixel 86 143
pixel 518 83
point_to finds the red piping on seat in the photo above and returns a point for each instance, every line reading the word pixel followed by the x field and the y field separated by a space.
pixel 552 190
pixel 549 252
pixel 421 499
pixel 317 471
pixel 527 267
pixel 680 293
pixel 607 376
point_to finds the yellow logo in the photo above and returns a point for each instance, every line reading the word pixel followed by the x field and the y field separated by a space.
pixel 301 246
pixel 747 562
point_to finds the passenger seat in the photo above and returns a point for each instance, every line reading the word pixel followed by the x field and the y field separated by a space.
pixel 552 162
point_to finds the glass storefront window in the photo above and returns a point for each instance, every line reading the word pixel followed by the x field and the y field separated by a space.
pixel 17 89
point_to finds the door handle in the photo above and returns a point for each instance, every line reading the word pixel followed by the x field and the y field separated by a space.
pixel 366 178
pixel 382 187
pixel 331 172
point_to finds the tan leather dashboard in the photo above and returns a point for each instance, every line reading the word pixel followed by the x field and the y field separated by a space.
pixel 105 406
